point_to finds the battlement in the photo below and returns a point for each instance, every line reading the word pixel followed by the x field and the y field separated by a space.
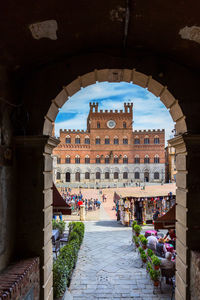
pixel 65 131
pixel 128 108
pixel 149 131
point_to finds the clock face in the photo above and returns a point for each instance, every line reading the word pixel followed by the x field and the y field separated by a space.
pixel 111 124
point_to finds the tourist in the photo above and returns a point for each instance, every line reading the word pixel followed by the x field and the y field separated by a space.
pixel 167 263
pixel 160 248
pixel 152 242
pixel 172 234
pixel 156 214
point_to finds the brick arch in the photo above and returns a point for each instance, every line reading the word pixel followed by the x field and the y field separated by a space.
pixel 117 75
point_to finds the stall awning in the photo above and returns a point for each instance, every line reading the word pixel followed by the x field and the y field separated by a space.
pixel 59 204
pixel 167 221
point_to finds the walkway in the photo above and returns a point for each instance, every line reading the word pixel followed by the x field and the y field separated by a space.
pixel 108 267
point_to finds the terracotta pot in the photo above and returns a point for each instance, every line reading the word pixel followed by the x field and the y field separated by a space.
pixel 137 234
pixel 144 246
pixel 137 245
pixel 156 283
pixel 144 260
pixel 156 267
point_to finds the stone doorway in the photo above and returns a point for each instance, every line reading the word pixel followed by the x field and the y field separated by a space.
pixel 68 177
pixel 146 176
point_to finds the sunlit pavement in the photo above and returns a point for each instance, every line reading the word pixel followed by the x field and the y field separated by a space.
pixel 108 266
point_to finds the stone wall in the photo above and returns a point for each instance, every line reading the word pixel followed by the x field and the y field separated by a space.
pixel 195 275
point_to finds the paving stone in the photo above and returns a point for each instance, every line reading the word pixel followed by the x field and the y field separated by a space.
pixel 108 268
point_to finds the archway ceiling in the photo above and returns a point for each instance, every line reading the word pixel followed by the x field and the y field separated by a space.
pixel 90 26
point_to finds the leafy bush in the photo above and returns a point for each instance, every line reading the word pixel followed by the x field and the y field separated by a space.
pixel 143 241
pixel 137 228
pixel 148 266
pixel 155 260
pixel 150 252
pixel 154 274
pixel 60 225
pixel 65 263
pixel 141 250
pixel 143 256
pixel 141 236
pixel 134 223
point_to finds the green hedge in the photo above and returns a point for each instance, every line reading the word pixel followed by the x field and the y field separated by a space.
pixel 65 263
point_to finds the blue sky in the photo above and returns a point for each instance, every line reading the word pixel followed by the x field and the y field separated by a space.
pixel 148 110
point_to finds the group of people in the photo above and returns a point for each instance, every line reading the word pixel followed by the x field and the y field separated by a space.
pixel 157 245
pixel 75 200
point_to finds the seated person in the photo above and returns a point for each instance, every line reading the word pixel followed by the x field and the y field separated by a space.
pixel 172 237
pixel 167 263
pixel 160 248
pixel 152 242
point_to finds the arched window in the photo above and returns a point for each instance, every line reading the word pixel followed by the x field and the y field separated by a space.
pixel 137 159
pixel 124 124
pixel 67 177
pixel 107 140
pixel 107 159
pixel 125 159
pixel 77 140
pixel 156 159
pixel 146 140
pixel 87 140
pixel 156 175
pixel 116 159
pixel 58 160
pixel 116 140
pixel 67 159
pixel 97 140
pixel 125 140
pixel 58 175
pixel 137 175
pixel 116 175
pixel 98 160
pixel 156 140
pixel 98 125
pixel 87 175
pixel 107 175
pixel 87 159
pixel 137 140
pixel 125 175
pixel 77 176
pixel 146 159
pixel 68 139
pixel 98 175
pixel 77 159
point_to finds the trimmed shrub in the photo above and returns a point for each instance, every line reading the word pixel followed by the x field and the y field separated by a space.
pixel 65 263
pixel 150 252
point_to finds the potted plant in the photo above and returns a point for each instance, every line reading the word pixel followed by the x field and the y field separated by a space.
pixel 136 241
pixel 141 250
pixel 137 229
pixel 156 262
pixel 141 236
pixel 133 224
pixel 143 257
pixel 148 266
pixel 155 274
pixel 150 252
pixel 144 242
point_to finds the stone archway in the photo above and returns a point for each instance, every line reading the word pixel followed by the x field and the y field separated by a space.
pixel 172 104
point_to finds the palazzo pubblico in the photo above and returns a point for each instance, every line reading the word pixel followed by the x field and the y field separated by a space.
pixel 109 153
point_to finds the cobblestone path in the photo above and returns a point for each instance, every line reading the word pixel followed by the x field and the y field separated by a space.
pixel 109 268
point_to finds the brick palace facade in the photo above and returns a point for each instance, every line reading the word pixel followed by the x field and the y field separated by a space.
pixel 109 152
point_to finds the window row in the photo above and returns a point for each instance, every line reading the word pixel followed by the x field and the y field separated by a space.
pixel 98 175
pixel 107 140
pixel 107 159
pixel 97 140
pixel 146 140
